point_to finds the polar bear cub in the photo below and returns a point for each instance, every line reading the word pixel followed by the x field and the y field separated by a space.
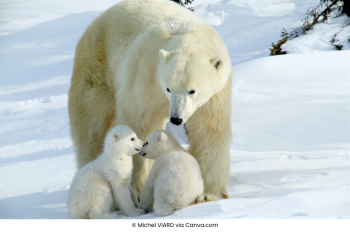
pixel 175 180
pixel 104 184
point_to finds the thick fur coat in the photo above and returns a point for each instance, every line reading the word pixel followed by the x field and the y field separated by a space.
pixel 104 184
pixel 175 180
pixel 141 63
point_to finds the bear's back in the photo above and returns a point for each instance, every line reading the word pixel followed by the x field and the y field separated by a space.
pixel 132 17
pixel 179 180
pixel 140 13
pixel 177 163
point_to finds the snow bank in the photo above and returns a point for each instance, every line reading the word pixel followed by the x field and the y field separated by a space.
pixel 292 102
pixel 318 39
pixel 248 28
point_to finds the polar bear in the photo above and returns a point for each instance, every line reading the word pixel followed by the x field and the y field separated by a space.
pixel 175 180
pixel 104 184
pixel 141 63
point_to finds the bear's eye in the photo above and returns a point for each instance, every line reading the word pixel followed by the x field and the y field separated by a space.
pixel 191 92
pixel 132 139
pixel 168 89
pixel 146 143
pixel 217 65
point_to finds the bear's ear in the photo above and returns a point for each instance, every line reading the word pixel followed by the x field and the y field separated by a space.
pixel 163 137
pixel 216 62
pixel 115 137
pixel 164 55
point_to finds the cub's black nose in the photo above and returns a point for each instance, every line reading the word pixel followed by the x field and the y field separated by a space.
pixel 176 121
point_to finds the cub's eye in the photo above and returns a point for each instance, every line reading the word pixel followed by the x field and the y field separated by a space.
pixel 191 92
pixel 132 139
pixel 168 89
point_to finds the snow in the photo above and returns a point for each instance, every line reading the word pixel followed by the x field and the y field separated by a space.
pixel 306 108
pixel 249 27
pixel 290 156
pixel 317 40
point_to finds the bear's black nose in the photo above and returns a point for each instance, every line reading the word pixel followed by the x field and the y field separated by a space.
pixel 176 121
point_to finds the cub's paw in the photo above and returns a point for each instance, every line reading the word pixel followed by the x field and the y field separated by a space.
pixel 112 215
pixel 137 212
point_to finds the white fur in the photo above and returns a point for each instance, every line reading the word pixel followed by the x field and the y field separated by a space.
pixel 175 180
pixel 205 82
pixel 124 63
pixel 104 184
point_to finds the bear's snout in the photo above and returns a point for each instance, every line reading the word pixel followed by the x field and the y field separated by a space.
pixel 176 121
pixel 143 154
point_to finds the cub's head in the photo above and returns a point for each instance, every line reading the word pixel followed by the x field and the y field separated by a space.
pixel 158 143
pixel 189 78
pixel 123 139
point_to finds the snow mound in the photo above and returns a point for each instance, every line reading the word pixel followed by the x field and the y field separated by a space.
pixel 319 38
pixel 292 102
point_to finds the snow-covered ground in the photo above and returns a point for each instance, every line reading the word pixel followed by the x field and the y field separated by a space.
pixel 319 38
pixel 290 156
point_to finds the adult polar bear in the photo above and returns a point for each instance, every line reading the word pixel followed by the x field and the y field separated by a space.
pixel 141 62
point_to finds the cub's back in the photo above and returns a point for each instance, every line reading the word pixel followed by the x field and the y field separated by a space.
pixel 179 180
pixel 177 164
pixel 88 176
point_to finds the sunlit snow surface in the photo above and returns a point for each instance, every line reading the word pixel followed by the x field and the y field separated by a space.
pixel 290 156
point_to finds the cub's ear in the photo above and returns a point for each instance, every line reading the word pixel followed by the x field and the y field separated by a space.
pixel 216 62
pixel 163 137
pixel 164 55
pixel 115 137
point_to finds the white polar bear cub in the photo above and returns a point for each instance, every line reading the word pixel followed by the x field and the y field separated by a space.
pixel 175 180
pixel 104 183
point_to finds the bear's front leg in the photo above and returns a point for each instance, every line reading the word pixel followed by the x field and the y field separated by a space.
pixel 147 195
pixel 139 173
pixel 210 136
pixel 123 200
pixel 133 196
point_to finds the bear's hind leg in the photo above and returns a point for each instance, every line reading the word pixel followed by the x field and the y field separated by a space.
pixel 91 99
pixel 101 205
pixel 163 208
pixel 110 215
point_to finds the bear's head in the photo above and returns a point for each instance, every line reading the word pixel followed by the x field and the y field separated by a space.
pixel 158 143
pixel 190 77
pixel 122 140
